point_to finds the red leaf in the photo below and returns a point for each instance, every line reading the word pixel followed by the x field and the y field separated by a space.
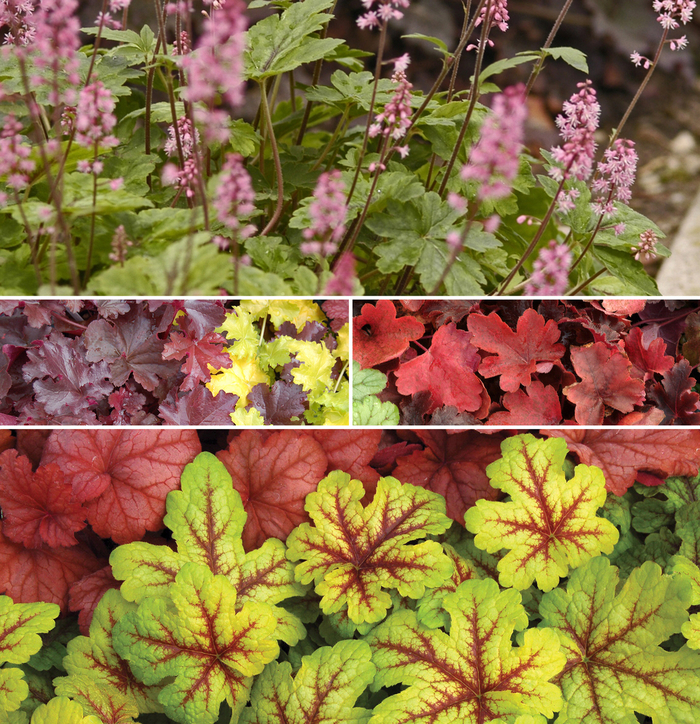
pixel 520 354
pixel 85 594
pixel 351 451
pixel 606 380
pixel 624 307
pixel 675 396
pixel 647 355
pixel 536 405
pixel 37 507
pixel 31 443
pixel 123 475
pixel 42 574
pixel 200 352
pixel 446 370
pixel 379 336
pixel 621 454
pixel 454 466
pixel 273 477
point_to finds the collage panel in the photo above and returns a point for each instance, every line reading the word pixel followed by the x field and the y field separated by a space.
pixel 184 575
pixel 526 362
pixel 186 362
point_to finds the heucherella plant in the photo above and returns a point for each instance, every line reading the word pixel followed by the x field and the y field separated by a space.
pixel 134 165
pixel 381 609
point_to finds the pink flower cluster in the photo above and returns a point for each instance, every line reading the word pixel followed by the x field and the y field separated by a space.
pixel 647 246
pixel 550 275
pixel 328 212
pixel 235 197
pixel 494 160
pixel 18 17
pixel 671 11
pixel 94 123
pixel 120 245
pixel 187 138
pixel 577 127
pixel 395 120
pixel 14 157
pixel 616 176
pixel 217 65
pixel 386 10
pixel 343 281
pixel 495 12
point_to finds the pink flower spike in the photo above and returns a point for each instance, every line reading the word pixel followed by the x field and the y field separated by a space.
pixel 550 275
pixel 495 12
pixel 343 282
pixel 647 247
pixel 328 212
pixel 235 197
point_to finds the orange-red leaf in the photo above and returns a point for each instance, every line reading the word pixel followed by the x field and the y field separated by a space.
pixel 379 336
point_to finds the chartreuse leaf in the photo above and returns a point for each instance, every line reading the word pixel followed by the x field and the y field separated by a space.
pixel 239 378
pixel 97 677
pixel 207 517
pixel 549 524
pixel 314 373
pixel 324 689
pixel 687 564
pixel 210 648
pixel 297 311
pixel 473 674
pixel 615 665
pixel 20 626
pixel 61 710
pixel 353 553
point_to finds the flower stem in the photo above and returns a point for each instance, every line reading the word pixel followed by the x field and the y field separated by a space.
pixel 581 287
pixel 272 224
pixel 88 261
pixel 454 256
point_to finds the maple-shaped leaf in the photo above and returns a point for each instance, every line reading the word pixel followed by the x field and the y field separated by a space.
pixel 622 454
pixel 352 452
pixel 447 371
pixel 549 524
pixel 323 690
pixel 647 353
pixel 273 476
pixel 85 594
pixel 473 674
pixel 317 363
pixel 20 626
pixel 43 574
pixel 453 466
pixel 38 507
pixel 535 405
pixel 205 314
pixel 130 345
pixel 198 407
pixel 94 659
pixel 352 553
pixel 280 403
pixel 611 637
pixel 239 379
pixel 102 702
pixel 379 336
pixel 200 352
pixel 62 377
pixel 207 518
pixel 606 381
pixel 531 348
pixel 123 475
pixel 211 649
pixel 675 395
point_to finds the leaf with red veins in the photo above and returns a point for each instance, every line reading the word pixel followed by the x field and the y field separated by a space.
pixel 624 307
pixel 352 452
pixel 123 476
pixel 606 381
pixel 280 403
pixel 379 336
pixel 130 344
pixel 353 553
pixel 64 380
pixel 198 407
pixel 647 354
pixel 31 443
pixel 273 476
pixel 675 396
pixel 535 405
pixel 38 507
pixel 446 370
pixel 85 594
pixel 200 352
pixel 519 354
pixel 622 454
pixel 43 574
pixel 453 466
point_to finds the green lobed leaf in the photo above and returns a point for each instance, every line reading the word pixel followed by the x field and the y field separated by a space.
pixel 61 710
pixel 324 689
pixel 615 665
pixel 473 674
pixel 353 553
pixel 549 524
pixel 367 409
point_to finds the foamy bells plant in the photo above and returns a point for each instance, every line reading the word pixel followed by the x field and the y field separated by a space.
pixel 362 184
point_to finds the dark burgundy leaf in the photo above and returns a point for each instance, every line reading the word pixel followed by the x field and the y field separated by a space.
pixel 675 396
pixel 338 311
pixel 198 407
pixel 280 403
